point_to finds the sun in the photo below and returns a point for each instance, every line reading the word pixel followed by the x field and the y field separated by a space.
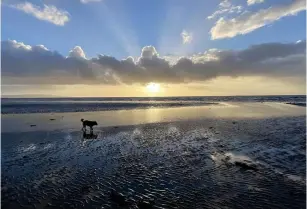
pixel 153 87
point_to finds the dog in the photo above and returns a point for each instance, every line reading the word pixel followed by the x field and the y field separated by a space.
pixel 89 124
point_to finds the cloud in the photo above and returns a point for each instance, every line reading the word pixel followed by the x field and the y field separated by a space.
pixel 49 13
pixel 225 7
pixel 89 1
pixel 186 37
pixel 37 64
pixel 225 3
pixel 251 2
pixel 77 52
pixel 250 21
pixel 149 52
pixel 231 10
pixel 23 64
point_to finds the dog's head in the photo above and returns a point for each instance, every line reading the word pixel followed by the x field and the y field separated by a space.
pixel 82 119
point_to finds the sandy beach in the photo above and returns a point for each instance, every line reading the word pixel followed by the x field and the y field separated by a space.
pixel 232 155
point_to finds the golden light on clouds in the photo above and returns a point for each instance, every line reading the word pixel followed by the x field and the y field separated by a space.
pixel 222 86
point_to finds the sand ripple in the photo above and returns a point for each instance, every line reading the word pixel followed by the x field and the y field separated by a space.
pixel 159 166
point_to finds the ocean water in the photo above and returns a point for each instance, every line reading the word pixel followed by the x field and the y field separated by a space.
pixel 46 105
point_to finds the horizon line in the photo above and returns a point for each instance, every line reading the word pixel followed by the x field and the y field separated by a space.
pixel 60 97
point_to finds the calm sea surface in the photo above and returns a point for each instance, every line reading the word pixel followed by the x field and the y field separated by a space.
pixel 45 105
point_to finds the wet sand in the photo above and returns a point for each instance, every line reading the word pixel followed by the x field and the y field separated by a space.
pixel 199 158
pixel 71 121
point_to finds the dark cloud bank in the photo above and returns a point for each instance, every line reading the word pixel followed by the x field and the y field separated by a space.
pixel 24 64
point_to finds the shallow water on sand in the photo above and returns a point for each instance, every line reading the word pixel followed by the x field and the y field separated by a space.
pixel 52 121
pixel 221 163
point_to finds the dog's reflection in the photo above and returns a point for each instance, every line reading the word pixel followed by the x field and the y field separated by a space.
pixel 91 135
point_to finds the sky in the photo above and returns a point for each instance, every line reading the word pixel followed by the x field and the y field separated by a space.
pixel 153 48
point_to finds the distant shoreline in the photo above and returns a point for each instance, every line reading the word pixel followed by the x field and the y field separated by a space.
pixel 149 97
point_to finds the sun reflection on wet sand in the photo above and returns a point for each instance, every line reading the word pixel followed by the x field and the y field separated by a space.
pixel 151 115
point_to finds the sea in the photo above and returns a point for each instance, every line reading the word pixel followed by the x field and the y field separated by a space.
pixel 89 104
